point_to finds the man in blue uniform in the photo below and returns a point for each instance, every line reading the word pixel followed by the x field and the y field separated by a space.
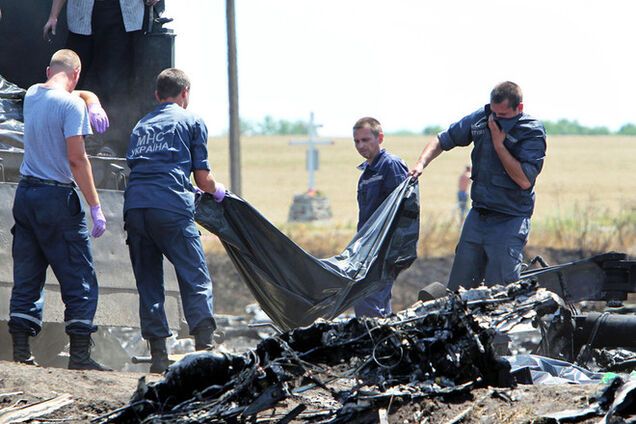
pixel 166 147
pixel 50 226
pixel 382 172
pixel 508 154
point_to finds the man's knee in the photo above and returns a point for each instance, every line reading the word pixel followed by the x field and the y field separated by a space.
pixel 468 266
pixel 505 266
pixel 505 252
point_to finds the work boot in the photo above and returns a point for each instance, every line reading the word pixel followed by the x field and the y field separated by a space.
pixel 21 349
pixel 80 354
pixel 159 353
pixel 204 338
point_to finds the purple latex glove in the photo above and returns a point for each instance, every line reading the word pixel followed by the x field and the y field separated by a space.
pixel 99 221
pixel 219 193
pixel 97 116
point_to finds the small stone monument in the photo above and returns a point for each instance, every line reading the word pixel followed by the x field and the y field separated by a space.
pixel 311 205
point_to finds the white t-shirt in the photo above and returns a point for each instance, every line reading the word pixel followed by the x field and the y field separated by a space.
pixel 51 115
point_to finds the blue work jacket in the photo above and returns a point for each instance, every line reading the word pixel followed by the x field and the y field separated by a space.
pixel 377 181
pixel 166 146
pixel 492 188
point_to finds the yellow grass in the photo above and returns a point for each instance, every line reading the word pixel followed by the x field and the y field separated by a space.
pixel 584 178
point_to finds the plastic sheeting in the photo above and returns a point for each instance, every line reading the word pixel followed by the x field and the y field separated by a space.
pixel 535 369
pixel 293 287
pixel 11 117
pixel 12 133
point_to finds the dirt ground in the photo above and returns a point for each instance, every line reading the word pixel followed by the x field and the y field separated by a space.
pixel 96 393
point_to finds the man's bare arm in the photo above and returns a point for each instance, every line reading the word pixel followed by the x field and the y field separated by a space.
pixel 96 113
pixel 81 168
pixel 432 150
pixel 88 96
pixel 51 23
pixel 205 180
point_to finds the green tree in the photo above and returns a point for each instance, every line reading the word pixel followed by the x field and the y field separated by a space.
pixel 267 127
pixel 627 129
pixel 567 127
pixel 399 133
pixel 432 130
pixel 271 126
pixel 247 127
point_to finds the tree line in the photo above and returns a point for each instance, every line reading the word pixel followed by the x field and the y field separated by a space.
pixel 272 126
pixel 563 127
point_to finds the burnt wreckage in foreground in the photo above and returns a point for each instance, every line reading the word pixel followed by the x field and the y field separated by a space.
pixel 437 347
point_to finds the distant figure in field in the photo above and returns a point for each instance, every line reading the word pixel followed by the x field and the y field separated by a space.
pixel 462 193
pixel 382 172
pixel 507 157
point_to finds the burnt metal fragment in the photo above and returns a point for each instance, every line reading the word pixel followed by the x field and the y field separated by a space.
pixel 434 348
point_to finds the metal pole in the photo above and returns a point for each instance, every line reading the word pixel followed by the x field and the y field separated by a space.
pixel 310 154
pixel 232 71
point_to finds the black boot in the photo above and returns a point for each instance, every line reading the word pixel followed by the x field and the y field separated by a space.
pixel 80 354
pixel 21 349
pixel 159 353
pixel 204 338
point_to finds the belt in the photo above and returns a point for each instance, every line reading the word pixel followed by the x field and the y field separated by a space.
pixel 36 180
pixel 490 212
pixel 484 212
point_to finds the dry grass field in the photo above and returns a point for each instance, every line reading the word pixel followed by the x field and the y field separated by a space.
pixel 586 198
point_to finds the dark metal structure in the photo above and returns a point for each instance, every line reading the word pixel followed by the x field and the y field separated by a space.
pixel 607 277
pixel 24 55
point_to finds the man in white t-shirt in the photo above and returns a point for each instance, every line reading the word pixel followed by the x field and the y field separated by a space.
pixel 50 225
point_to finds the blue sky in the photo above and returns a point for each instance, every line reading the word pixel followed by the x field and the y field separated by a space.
pixel 409 63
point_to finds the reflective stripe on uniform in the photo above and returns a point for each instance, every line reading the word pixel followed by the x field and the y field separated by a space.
pixel 27 317
pixel 78 321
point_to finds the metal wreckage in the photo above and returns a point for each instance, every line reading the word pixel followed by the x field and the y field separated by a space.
pixel 339 371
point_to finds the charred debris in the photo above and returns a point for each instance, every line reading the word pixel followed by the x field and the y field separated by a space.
pixel 446 344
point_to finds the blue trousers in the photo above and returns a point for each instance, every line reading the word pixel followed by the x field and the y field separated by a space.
pixel 376 304
pixel 153 233
pixel 50 230
pixel 490 250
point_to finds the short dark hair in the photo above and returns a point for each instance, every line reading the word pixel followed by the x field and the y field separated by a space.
pixel 65 59
pixel 507 90
pixel 170 83
pixel 372 123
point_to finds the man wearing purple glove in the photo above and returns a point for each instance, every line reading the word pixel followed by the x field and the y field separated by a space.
pixel 50 225
pixel 166 147
pixel 98 117
pixel 96 114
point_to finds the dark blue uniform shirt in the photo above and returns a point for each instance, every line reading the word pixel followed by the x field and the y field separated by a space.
pixel 165 147
pixel 492 188
pixel 377 181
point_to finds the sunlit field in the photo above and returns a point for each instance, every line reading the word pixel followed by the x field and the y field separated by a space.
pixel 585 195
